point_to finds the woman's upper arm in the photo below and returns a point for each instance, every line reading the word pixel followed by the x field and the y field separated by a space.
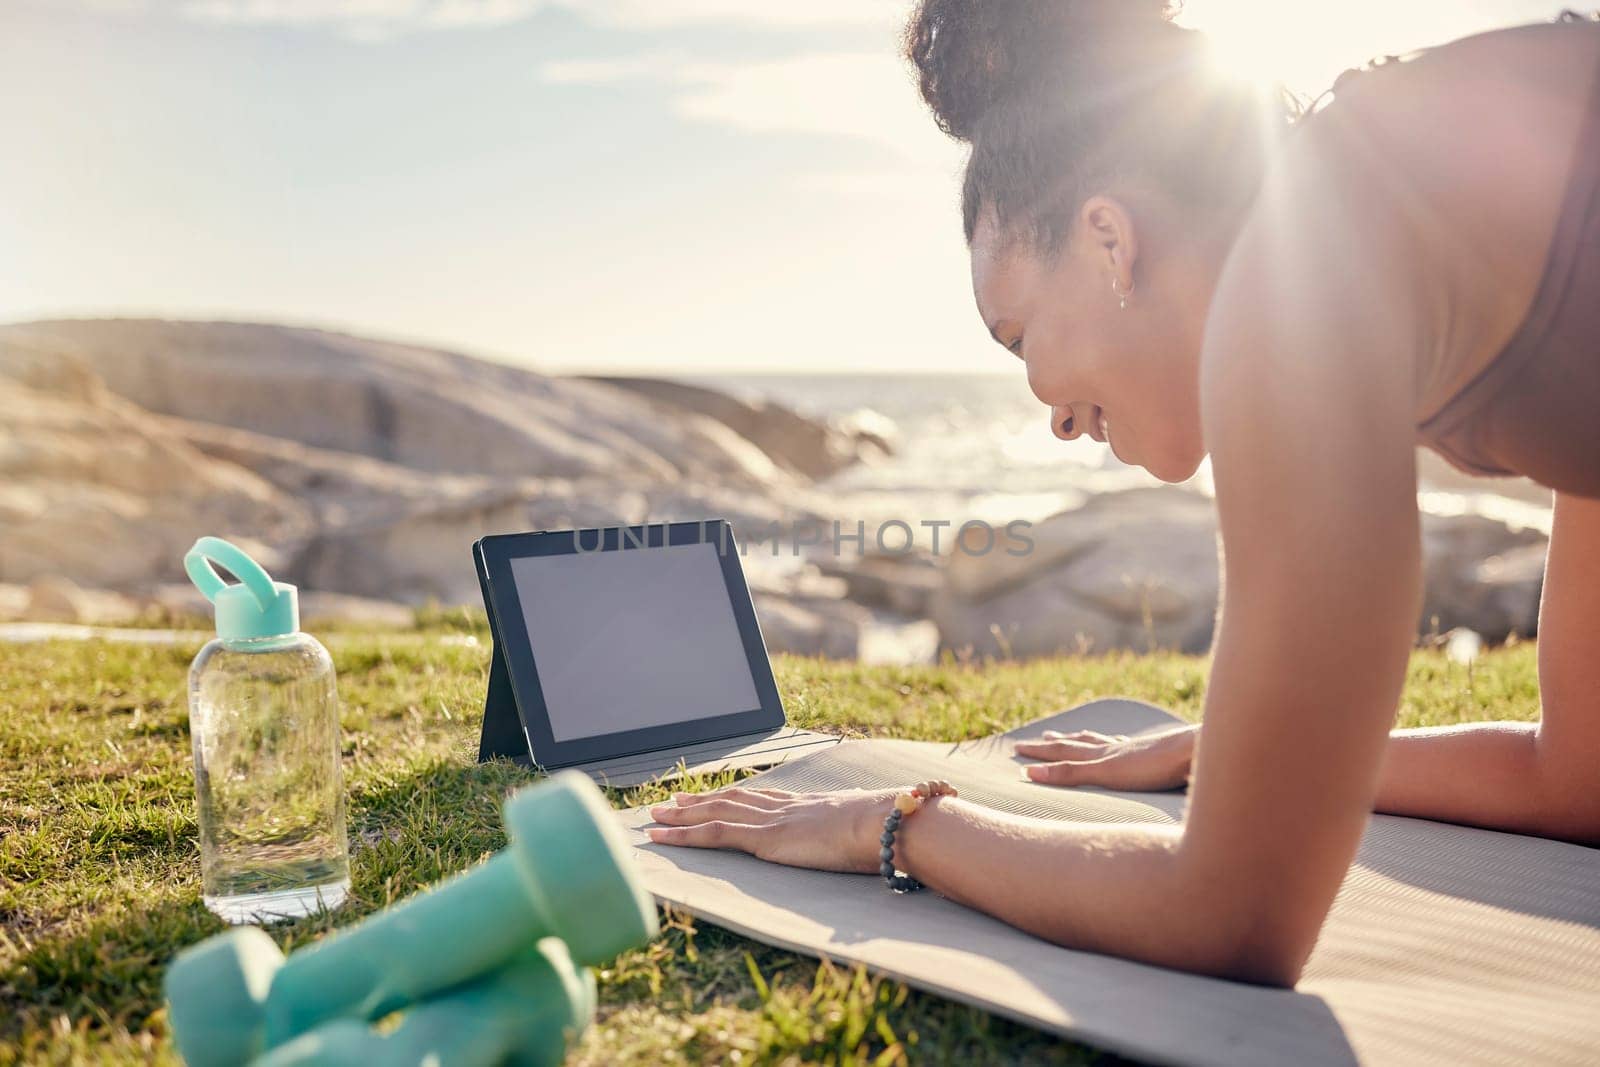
pixel 1308 414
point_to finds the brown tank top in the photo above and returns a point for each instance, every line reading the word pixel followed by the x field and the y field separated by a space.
pixel 1535 409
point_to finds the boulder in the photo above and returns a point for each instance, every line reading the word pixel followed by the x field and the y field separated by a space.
pixel 904 585
pixel 52 598
pixel 1136 569
pixel 811 627
pixel 1482 575
pixel 417 555
pixel 421 552
pixel 808 447
pixel 183 600
pixel 345 465
pixel 337 488
pixel 94 489
pixel 319 606
pixel 13 601
pixel 417 407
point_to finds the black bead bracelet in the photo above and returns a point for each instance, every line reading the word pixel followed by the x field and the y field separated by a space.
pixel 904 804
pixel 900 883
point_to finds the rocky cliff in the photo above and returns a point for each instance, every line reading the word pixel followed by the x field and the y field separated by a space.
pixel 350 465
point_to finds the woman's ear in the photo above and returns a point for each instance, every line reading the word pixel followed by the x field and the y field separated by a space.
pixel 1108 227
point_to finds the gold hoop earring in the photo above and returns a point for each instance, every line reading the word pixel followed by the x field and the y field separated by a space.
pixel 1122 297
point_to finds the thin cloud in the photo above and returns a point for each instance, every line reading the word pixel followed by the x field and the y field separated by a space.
pixel 650 67
pixel 773 12
pixel 368 19
pixel 377 19
pixel 868 96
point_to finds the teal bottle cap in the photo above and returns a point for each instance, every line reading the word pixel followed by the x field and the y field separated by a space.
pixel 256 607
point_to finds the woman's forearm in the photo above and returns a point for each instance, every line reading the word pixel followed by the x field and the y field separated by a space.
pixel 1112 888
pixel 1479 774
pixel 1117 889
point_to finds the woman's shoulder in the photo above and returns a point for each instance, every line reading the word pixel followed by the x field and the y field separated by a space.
pixel 1430 186
pixel 1458 121
pixel 1467 146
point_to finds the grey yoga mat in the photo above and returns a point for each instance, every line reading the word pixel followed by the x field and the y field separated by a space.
pixel 1446 944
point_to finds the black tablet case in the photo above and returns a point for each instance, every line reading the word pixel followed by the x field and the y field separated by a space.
pixel 504 736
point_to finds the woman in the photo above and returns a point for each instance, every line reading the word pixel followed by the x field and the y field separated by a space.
pixel 1418 261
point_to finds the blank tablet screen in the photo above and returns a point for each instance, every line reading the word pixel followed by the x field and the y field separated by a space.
pixel 633 638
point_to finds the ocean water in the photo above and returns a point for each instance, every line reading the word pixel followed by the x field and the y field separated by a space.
pixel 966 446
pixel 980 447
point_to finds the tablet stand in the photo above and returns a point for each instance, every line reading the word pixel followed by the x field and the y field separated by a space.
pixel 503 733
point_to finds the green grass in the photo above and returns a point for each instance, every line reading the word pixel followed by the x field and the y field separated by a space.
pixel 99 869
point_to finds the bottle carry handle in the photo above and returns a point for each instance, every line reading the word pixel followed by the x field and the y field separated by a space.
pixel 208 550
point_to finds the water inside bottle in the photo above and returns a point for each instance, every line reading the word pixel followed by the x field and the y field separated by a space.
pixel 268 781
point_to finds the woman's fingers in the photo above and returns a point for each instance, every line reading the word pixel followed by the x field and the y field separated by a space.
pixel 1083 772
pixel 1060 750
pixel 1121 771
pixel 714 834
pixel 756 798
pixel 1084 735
pixel 714 809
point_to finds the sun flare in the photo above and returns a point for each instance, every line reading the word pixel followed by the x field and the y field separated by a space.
pixel 1258 41
pixel 1240 50
pixel 1304 47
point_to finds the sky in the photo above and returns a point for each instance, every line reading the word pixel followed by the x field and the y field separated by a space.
pixel 658 186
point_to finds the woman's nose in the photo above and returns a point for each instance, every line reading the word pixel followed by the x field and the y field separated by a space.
pixel 1064 424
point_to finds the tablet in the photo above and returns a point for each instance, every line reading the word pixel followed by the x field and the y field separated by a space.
pixel 623 640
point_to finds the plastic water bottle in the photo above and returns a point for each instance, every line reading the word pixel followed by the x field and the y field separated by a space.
pixel 264 719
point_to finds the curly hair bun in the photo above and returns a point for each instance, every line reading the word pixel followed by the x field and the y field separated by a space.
pixel 974 55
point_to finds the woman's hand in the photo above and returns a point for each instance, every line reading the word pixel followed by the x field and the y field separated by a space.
pixel 826 831
pixel 1115 761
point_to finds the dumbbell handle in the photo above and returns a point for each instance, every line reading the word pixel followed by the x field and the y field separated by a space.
pixel 466 927
pixel 524 1013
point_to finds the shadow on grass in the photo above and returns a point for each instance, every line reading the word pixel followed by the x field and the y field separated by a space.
pixel 106 975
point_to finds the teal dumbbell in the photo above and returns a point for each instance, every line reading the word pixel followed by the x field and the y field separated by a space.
pixel 217 994
pixel 524 1014
pixel 566 873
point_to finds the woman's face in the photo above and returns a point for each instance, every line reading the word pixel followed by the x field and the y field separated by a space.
pixel 1127 376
